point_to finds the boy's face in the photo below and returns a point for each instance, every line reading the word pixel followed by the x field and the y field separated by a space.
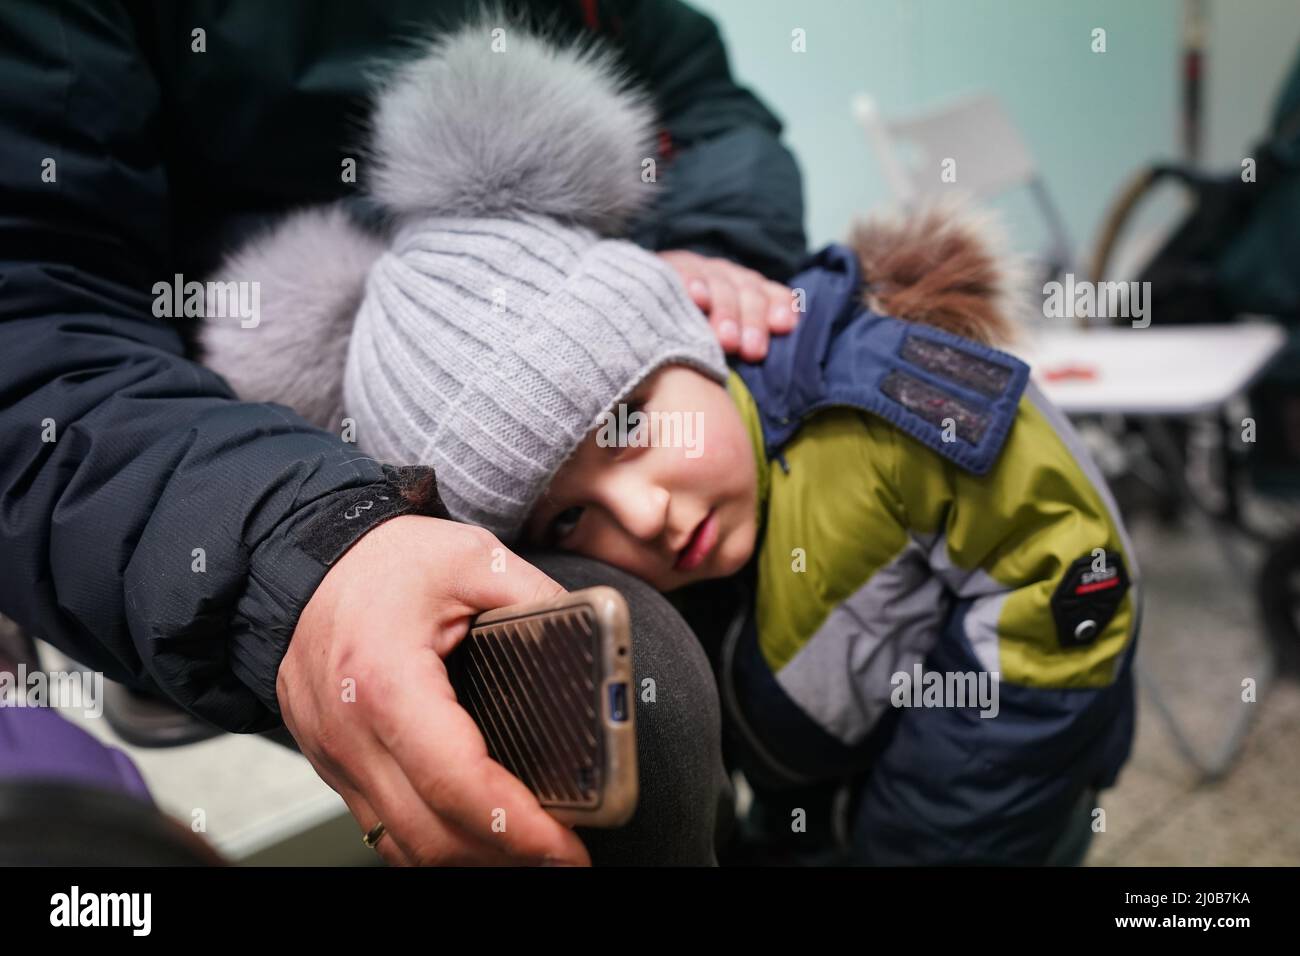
pixel 670 497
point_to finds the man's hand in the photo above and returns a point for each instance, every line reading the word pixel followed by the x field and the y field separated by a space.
pixel 365 694
pixel 742 306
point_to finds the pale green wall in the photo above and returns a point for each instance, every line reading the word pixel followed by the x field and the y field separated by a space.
pixel 1091 119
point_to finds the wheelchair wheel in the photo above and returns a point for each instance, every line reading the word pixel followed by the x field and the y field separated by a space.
pixel 1279 599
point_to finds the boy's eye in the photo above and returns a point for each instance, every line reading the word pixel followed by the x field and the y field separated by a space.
pixel 564 523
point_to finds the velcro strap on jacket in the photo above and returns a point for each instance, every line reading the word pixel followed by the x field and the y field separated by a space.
pixel 953 395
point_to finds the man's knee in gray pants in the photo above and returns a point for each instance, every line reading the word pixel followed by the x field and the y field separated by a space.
pixel 679 752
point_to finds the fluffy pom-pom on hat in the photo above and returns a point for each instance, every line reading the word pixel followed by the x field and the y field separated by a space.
pixel 311 270
pixel 492 120
pixel 495 120
pixel 502 314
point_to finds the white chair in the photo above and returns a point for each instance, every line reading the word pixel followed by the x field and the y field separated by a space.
pixel 991 159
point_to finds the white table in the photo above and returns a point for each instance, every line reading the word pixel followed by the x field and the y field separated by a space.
pixel 1164 371
pixel 1154 374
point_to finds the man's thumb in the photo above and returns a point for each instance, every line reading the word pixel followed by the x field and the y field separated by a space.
pixel 511 580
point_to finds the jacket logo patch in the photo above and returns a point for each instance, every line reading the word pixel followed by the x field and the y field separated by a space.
pixel 1087 598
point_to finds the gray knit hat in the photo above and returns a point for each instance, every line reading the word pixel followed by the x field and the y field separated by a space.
pixel 502 318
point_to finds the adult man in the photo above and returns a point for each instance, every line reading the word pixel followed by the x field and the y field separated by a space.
pixel 213 552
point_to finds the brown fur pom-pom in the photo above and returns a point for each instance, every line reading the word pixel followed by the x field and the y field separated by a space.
pixel 939 265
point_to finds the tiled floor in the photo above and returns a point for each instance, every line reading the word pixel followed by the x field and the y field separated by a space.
pixel 1199 640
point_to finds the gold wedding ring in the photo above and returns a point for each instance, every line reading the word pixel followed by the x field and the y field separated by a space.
pixel 375 835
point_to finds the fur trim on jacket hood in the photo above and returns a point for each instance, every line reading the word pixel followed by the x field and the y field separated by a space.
pixel 943 264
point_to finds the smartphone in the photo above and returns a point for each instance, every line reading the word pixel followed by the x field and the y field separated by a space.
pixel 550 686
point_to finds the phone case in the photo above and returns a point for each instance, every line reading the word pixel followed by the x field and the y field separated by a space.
pixel 550 687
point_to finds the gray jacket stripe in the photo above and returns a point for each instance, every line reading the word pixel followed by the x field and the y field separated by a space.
pixel 842 677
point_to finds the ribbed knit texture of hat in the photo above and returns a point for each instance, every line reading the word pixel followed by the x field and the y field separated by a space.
pixel 500 313
pixel 488 348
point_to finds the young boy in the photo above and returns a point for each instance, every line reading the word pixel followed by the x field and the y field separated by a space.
pixel 944 598
pixel 943 587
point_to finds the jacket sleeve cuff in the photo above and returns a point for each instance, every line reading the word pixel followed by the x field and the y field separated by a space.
pixel 289 565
